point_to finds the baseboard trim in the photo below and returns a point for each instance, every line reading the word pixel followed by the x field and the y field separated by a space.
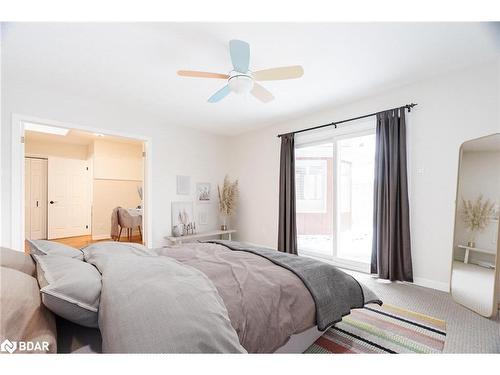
pixel 427 283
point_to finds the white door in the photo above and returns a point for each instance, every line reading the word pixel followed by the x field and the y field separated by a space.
pixel 69 208
pixel 36 198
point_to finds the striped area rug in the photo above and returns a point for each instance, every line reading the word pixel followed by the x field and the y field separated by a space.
pixel 383 329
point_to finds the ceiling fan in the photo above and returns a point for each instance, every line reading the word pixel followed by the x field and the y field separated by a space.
pixel 241 79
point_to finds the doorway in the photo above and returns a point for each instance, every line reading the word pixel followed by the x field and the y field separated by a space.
pixel 59 200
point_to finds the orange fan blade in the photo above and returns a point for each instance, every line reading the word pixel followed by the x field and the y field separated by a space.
pixel 275 74
pixel 261 93
pixel 194 73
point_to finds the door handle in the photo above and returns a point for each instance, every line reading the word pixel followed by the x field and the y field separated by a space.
pixel 52 202
pixel 37 203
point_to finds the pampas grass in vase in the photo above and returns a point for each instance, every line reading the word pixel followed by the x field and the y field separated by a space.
pixel 476 215
pixel 228 195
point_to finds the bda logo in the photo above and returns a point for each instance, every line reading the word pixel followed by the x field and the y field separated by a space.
pixel 8 346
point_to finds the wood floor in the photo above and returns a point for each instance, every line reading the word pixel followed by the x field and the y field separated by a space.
pixel 82 241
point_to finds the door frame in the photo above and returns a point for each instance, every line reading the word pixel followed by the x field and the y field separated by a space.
pixel 17 170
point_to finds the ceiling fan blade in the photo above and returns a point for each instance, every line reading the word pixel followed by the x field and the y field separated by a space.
pixel 275 74
pixel 261 93
pixel 240 55
pixel 219 95
pixel 197 74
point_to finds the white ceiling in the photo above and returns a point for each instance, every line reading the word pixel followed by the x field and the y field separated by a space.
pixel 135 65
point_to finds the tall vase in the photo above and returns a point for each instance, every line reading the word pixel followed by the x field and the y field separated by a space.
pixel 471 242
pixel 225 220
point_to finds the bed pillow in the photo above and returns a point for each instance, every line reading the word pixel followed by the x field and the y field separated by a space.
pixel 44 247
pixel 17 260
pixel 23 316
pixel 70 288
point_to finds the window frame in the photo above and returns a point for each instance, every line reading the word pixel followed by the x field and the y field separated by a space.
pixel 358 129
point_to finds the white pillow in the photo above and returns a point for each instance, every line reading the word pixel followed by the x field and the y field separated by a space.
pixel 70 288
pixel 44 247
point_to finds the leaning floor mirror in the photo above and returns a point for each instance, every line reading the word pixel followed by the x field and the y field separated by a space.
pixel 474 275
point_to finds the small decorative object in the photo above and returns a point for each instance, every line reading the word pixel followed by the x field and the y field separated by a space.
pixel 476 216
pixel 177 230
pixel 203 191
pixel 182 215
pixel 228 195
pixel 183 185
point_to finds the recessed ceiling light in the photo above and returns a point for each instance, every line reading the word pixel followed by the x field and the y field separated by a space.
pixel 99 135
pixel 45 129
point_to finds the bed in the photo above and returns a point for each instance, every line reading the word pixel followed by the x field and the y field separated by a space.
pixel 214 296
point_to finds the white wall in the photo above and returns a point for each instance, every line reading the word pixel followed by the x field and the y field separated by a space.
pixel 117 161
pixel 175 150
pixel 451 108
pixel 117 173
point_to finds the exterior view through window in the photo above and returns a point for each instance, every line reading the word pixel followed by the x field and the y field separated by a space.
pixel 334 193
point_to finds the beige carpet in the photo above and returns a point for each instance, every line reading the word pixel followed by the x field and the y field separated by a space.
pixel 467 332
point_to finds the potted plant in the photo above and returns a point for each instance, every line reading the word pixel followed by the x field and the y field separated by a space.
pixel 228 195
pixel 476 216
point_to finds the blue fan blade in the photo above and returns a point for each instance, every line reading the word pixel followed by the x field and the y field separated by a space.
pixel 240 55
pixel 219 95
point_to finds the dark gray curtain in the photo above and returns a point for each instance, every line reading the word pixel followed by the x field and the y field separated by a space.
pixel 391 251
pixel 287 228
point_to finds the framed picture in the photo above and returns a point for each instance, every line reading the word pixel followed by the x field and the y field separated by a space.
pixel 203 191
pixel 182 214
pixel 202 217
pixel 183 185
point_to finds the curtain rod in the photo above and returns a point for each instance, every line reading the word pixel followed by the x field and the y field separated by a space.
pixel 407 106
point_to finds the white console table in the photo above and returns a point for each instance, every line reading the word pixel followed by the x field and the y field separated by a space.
pixel 468 249
pixel 180 239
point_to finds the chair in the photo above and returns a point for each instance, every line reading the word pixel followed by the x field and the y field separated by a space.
pixel 128 221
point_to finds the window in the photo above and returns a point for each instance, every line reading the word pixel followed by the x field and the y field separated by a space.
pixel 334 195
pixel 355 197
pixel 313 189
pixel 310 175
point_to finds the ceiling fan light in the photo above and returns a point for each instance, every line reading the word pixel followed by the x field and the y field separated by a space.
pixel 240 84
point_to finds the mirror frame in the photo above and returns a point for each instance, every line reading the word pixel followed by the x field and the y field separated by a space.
pixel 496 287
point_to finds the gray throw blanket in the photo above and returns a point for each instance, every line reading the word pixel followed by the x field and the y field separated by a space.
pixel 334 292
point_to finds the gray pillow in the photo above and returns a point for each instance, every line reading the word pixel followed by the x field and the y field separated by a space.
pixel 44 247
pixel 17 260
pixel 23 317
pixel 70 288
